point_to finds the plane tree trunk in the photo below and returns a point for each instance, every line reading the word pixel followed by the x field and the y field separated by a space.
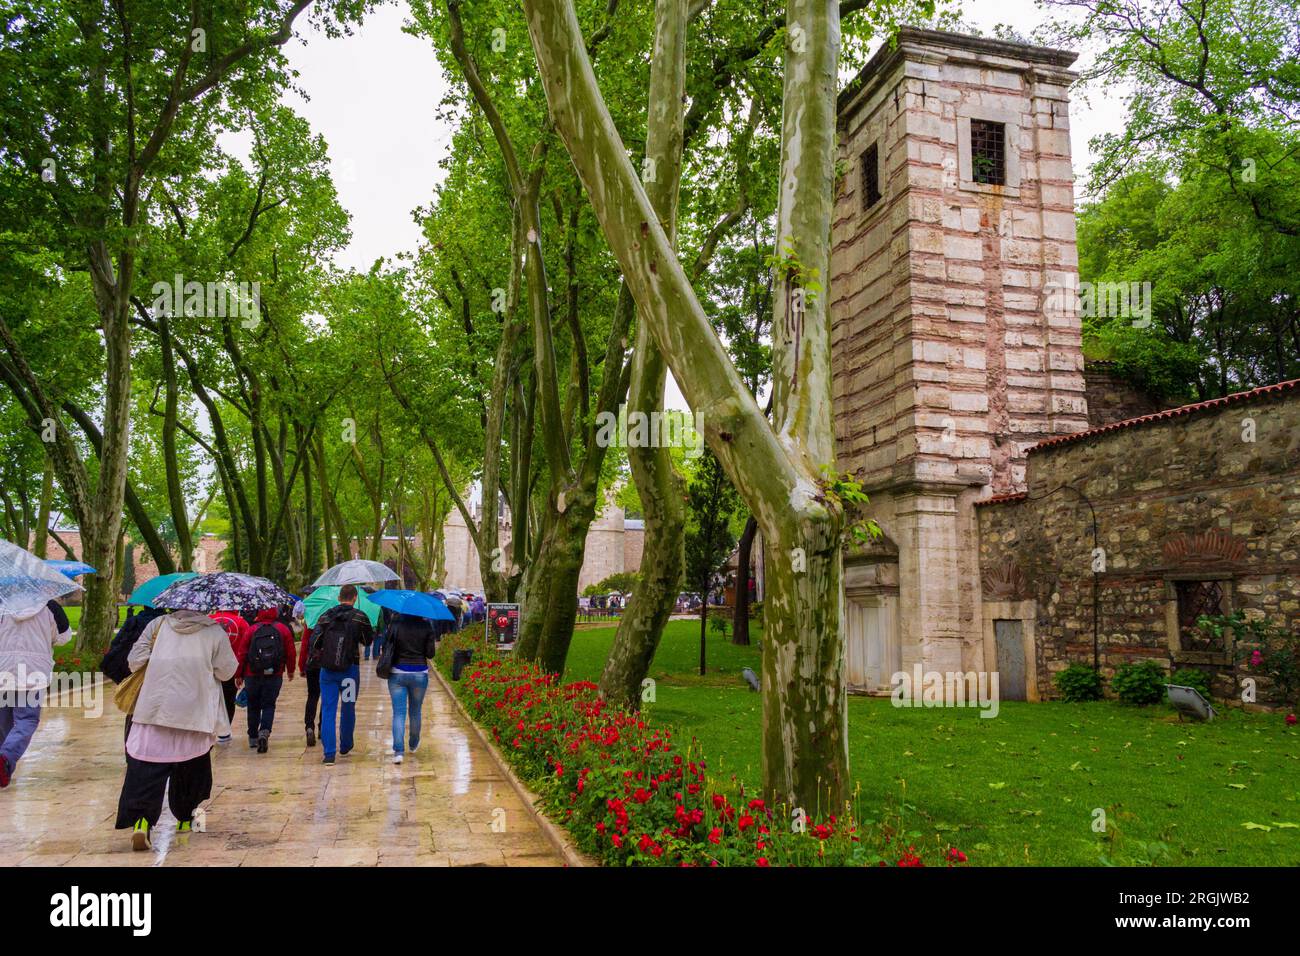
pixel 780 469
pixel 660 489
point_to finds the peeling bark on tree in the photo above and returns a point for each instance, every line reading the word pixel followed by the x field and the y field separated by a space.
pixel 660 489
pixel 778 471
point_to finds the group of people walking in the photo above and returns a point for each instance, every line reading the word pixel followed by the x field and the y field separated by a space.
pixel 188 699
pixel 181 675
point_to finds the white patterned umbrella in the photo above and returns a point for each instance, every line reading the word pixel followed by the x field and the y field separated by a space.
pixel 356 571
pixel 223 591
pixel 26 581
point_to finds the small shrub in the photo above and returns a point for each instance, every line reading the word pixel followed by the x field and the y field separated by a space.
pixel 1191 677
pixel 1140 684
pixel 1263 647
pixel 1079 682
pixel 468 638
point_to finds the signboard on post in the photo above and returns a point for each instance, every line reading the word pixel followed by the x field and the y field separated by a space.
pixel 503 623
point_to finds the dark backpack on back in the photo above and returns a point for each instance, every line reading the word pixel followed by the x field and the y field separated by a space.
pixel 265 651
pixel 335 639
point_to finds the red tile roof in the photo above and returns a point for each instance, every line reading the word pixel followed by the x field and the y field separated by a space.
pixel 1002 499
pixel 1233 399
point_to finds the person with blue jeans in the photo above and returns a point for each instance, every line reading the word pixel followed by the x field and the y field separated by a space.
pixel 376 648
pixel 414 643
pixel 338 636
pixel 27 640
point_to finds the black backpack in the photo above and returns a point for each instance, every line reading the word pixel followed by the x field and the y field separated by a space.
pixel 335 640
pixel 265 651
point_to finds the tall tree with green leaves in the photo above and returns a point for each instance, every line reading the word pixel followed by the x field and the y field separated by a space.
pixel 102 103
pixel 778 470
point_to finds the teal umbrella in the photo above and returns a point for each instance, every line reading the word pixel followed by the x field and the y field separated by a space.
pixel 146 592
pixel 322 599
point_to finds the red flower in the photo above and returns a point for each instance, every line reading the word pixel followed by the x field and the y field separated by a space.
pixel 745 822
pixel 909 858
pixel 762 861
pixel 955 855
pixel 1290 720
pixel 715 835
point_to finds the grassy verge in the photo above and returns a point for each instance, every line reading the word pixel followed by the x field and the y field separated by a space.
pixel 1024 787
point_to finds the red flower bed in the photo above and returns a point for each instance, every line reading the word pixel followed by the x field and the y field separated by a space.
pixel 630 797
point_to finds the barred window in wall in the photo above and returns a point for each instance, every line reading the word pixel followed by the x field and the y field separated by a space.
pixel 1195 600
pixel 988 152
pixel 871 176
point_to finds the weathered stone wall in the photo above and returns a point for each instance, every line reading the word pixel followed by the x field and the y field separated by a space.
pixel 1113 398
pixel 1185 496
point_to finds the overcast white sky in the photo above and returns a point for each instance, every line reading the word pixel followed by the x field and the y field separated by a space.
pixel 373 96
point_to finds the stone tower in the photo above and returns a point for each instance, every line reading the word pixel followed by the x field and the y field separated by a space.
pixel 954 219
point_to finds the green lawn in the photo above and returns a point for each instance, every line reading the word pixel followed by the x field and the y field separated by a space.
pixel 1020 788
pixel 74 616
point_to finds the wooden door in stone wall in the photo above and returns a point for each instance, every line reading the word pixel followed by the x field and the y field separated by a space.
pixel 873 651
pixel 1010 641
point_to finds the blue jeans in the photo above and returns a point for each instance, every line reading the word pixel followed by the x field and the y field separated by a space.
pixel 338 687
pixel 17 725
pixel 377 646
pixel 263 692
pixel 407 688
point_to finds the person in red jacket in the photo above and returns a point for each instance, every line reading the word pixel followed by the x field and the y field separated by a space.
pixel 309 667
pixel 237 630
pixel 265 655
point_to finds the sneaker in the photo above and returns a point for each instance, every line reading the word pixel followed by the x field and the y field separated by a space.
pixel 415 745
pixel 5 773
pixel 397 758
pixel 223 740
pixel 344 753
pixel 252 743
pixel 311 737
pixel 329 759
pixel 183 826
pixel 263 741
pixel 140 835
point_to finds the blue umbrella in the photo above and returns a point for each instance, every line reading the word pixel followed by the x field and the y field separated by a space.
pixel 70 568
pixel 415 603
pixel 146 592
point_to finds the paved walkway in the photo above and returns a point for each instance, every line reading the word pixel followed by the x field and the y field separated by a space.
pixel 283 808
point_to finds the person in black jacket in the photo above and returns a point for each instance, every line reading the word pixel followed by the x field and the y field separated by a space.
pixel 338 635
pixel 114 665
pixel 414 642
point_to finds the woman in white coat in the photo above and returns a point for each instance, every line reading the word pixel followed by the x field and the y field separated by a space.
pixel 177 718
pixel 27 640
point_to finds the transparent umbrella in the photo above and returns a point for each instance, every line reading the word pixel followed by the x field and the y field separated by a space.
pixel 356 571
pixel 26 581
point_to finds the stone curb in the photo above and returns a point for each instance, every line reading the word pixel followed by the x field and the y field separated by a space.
pixel 554 833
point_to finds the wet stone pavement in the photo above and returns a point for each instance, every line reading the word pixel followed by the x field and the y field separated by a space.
pixel 282 808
